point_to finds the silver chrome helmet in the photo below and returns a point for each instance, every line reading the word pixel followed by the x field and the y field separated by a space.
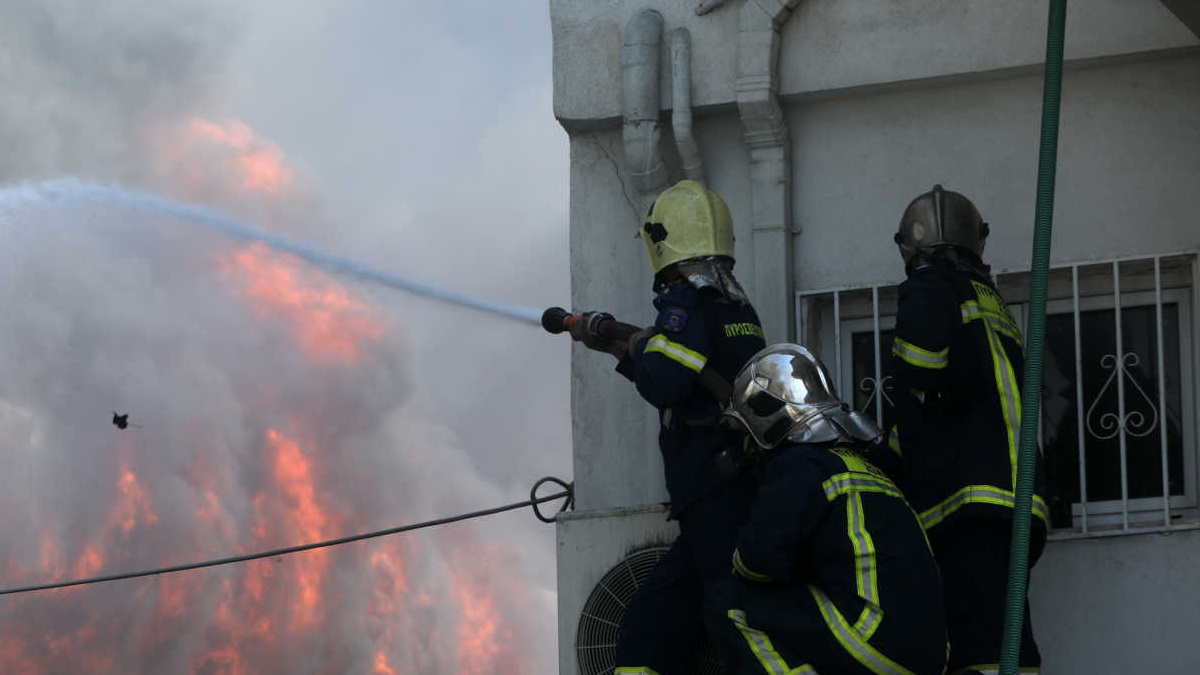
pixel 938 219
pixel 784 392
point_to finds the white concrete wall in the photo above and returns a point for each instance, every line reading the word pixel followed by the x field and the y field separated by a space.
pixel 883 99
pixel 838 44
pixel 1128 167
pixel 1119 605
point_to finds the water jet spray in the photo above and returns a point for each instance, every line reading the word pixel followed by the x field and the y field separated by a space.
pixel 70 189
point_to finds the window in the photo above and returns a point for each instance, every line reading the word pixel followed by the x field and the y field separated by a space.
pixel 1118 412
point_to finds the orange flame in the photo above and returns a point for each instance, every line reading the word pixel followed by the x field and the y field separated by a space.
pixel 132 505
pixel 293 473
pixel 328 322
pixel 258 163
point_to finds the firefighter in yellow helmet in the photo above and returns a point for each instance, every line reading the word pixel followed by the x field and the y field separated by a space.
pixel 705 331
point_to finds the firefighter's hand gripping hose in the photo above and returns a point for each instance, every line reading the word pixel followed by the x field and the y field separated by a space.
pixel 597 330
pixel 567 493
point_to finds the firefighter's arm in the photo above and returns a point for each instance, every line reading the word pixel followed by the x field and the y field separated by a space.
pixel 665 363
pixel 926 319
pixel 786 513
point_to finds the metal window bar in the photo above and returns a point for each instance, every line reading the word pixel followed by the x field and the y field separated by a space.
pixel 878 358
pixel 1120 375
pixel 1080 433
pixel 1115 265
pixel 837 332
pixel 1162 390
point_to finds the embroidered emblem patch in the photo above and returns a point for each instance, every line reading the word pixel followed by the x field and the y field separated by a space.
pixel 674 319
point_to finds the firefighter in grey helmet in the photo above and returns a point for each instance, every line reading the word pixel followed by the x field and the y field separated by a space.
pixel 833 572
pixel 942 225
pixel 957 358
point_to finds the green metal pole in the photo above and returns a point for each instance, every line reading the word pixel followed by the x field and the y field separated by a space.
pixel 1018 577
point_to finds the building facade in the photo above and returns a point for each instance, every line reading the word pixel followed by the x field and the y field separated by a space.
pixel 818 121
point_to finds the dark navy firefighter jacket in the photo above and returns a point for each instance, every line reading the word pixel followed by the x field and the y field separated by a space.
pixel 834 571
pixel 694 329
pixel 959 359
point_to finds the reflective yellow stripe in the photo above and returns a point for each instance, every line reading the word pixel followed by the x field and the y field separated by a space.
pixel 860 476
pixel 921 358
pixel 852 642
pixel 1010 397
pixel 998 321
pixel 991 307
pixel 847 483
pixel 740 568
pixel 763 650
pixel 676 352
pixel 866 579
pixel 979 494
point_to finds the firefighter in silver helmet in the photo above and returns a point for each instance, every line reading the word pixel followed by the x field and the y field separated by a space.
pixel 706 329
pixel 834 574
pixel 958 358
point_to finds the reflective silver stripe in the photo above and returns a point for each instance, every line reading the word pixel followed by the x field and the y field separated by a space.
pixel 763 650
pixel 845 483
pixel 866 579
pixel 854 644
pixel 978 494
pixel 676 352
pixel 922 358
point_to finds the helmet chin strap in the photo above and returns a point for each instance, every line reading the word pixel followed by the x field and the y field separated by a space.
pixel 952 256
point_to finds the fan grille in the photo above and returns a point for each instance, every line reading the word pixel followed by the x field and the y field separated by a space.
pixel 600 620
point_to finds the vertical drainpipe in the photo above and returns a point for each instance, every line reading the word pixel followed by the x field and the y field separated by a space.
pixel 640 57
pixel 681 104
pixel 765 132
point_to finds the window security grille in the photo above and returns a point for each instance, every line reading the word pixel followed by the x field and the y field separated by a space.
pixel 1119 411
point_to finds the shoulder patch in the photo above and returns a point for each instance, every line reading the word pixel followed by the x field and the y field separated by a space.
pixel 674 319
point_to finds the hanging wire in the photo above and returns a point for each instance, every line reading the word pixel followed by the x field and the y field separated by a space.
pixel 533 501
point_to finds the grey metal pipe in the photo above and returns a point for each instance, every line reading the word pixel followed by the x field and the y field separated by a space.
pixel 640 79
pixel 681 104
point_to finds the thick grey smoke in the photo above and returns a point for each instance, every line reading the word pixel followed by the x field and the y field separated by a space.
pixel 260 425
pixel 87 84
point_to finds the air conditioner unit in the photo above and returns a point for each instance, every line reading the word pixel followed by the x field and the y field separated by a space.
pixel 603 556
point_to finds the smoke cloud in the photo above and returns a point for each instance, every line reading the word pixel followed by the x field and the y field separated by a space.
pixel 273 404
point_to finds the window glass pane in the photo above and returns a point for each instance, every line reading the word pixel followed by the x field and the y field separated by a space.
pixel 1106 417
pixel 862 355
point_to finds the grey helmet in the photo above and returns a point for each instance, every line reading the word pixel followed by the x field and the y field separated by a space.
pixel 939 219
pixel 784 392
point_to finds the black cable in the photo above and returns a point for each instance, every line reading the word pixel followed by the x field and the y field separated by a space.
pixel 532 502
pixel 567 505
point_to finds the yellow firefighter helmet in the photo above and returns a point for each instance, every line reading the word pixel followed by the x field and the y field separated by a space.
pixel 686 221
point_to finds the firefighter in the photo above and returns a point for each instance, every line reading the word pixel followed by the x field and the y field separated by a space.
pixel 834 572
pixel 958 358
pixel 706 329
